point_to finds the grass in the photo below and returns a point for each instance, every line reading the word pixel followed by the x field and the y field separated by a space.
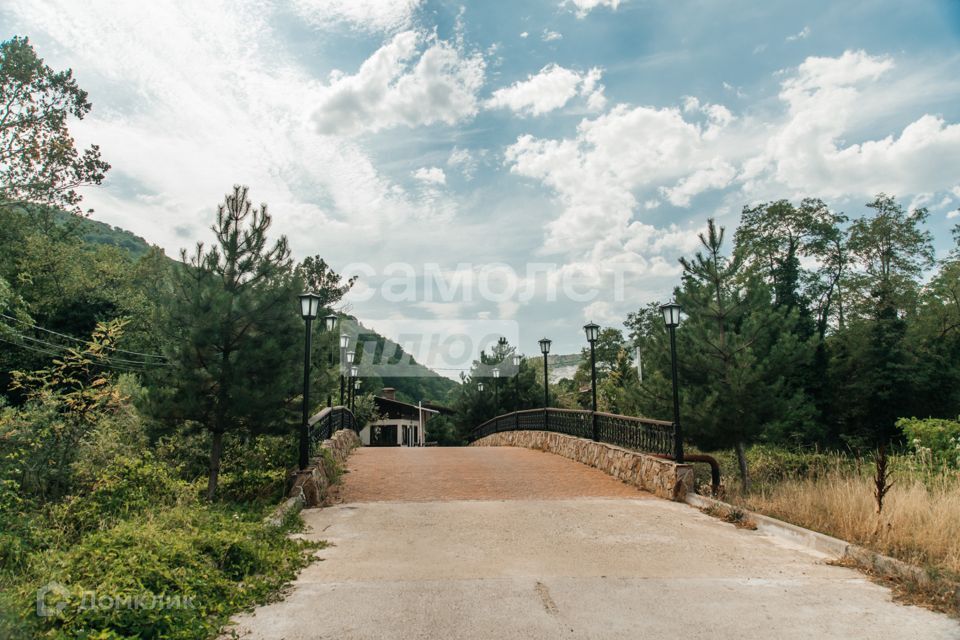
pixel 920 522
pixel 834 494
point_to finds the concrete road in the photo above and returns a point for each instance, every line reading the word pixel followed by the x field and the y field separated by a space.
pixel 549 564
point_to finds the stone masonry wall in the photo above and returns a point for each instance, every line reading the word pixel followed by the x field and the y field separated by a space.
pixel 663 478
pixel 312 484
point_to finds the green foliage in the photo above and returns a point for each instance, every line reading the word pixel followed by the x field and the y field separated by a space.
pixel 127 487
pixel 772 464
pixel 255 469
pixel 516 389
pixel 234 330
pixel 941 438
pixel 38 160
pixel 213 561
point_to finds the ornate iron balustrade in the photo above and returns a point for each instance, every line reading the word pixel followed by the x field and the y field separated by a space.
pixel 332 419
pixel 640 434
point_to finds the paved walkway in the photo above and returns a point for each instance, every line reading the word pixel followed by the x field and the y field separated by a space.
pixel 379 474
pixel 552 550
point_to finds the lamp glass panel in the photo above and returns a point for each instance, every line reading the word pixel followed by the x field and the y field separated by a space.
pixel 592 330
pixel 545 346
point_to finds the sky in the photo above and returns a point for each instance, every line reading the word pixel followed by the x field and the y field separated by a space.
pixel 515 168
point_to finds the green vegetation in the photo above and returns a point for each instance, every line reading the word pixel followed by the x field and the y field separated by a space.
pixel 147 406
pixel 834 493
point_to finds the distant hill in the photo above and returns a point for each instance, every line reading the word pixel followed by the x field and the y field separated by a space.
pixel 417 382
pixel 560 366
pixel 414 382
pixel 96 232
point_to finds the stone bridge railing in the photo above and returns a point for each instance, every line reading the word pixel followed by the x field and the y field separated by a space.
pixel 634 450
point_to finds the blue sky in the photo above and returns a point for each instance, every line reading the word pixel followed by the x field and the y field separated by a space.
pixel 587 138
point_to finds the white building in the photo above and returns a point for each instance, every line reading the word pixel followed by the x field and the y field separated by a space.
pixel 402 424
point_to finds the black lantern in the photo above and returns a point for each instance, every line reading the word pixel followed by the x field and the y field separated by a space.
pixel 309 308
pixel 545 350
pixel 671 313
pixel 592 331
pixel 671 318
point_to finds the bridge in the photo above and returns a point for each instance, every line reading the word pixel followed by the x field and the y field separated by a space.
pixel 516 541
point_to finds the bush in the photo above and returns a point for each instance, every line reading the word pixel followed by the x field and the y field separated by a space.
pixel 255 471
pixel 940 439
pixel 127 487
pixel 202 563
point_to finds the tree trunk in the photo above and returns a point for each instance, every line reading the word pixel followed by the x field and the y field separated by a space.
pixel 215 452
pixel 742 460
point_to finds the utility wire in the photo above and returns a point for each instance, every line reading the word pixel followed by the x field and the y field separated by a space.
pixel 55 353
pixel 92 355
pixel 80 340
pixel 60 350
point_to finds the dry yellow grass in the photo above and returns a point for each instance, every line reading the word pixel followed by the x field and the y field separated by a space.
pixel 920 522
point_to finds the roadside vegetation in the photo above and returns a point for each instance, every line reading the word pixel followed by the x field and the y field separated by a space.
pixel 836 493
pixel 148 406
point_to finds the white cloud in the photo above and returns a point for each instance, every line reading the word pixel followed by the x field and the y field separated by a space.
pixel 583 7
pixel 802 35
pixel 367 15
pixel 617 164
pixel 550 36
pixel 551 88
pixel 717 176
pixel 524 34
pixel 214 99
pixel 412 80
pixel 430 175
pixel 824 100
pixel 464 160
pixel 596 175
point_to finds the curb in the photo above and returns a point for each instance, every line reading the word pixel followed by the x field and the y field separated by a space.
pixel 840 549
pixel 283 511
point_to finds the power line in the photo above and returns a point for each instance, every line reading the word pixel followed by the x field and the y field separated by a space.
pixel 80 340
pixel 59 351
pixel 56 353
pixel 92 355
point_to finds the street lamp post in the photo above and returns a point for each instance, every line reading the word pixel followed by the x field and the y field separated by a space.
pixel 671 317
pixel 354 372
pixel 593 332
pixel 349 359
pixel 517 361
pixel 329 324
pixel 309 308
pixel 344 343
pixel 545 350
pixel 356 389
pixel 496 391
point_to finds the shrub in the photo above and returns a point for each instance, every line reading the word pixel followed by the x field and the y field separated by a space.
pixel 940 437
pixel 255 471
pixel 127 487
pixel 206 561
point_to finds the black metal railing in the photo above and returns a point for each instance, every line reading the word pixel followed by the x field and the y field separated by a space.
pixel 640 434
pixel 332 419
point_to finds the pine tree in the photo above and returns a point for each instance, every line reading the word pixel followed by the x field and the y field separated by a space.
pixel 738 355
pixel 235 329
